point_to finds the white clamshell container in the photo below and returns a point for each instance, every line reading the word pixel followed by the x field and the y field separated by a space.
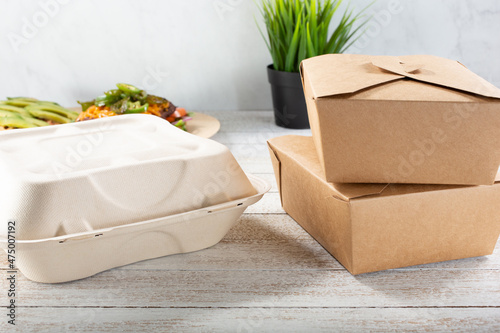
pixel 90 196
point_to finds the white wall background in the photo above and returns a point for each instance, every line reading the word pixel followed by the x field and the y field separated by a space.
pixel 207 54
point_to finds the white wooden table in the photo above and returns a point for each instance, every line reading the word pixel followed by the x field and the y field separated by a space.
pixel 267 274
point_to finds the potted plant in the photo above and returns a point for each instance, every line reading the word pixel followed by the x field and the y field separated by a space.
pixel 296 30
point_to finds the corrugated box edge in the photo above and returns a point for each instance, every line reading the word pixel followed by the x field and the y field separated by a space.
pixel 334 248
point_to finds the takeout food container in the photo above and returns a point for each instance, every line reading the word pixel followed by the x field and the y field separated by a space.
pixel 76 256
pixel 90 196
pixel 373 227
pixel 410 119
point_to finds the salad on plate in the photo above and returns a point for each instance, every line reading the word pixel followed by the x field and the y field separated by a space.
pixel 128 99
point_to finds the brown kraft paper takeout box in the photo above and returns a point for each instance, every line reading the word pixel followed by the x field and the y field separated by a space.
pixel 409 119
pixel 372 227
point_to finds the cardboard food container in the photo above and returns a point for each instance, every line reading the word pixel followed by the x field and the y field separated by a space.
pixel 410 119
pixel 90 196
pixel 373 227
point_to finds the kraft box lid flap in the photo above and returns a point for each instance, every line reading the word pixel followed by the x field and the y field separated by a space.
pixel 336 74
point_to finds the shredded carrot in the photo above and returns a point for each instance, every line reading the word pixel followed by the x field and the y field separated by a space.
pixel 154 109
pixel 95 112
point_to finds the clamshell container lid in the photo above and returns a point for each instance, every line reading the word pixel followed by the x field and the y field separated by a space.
pixel 62 180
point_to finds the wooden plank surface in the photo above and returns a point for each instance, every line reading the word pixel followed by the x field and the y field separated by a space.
pixel 268 288
pixel 48 320
pixel 266 275
pixel 276 242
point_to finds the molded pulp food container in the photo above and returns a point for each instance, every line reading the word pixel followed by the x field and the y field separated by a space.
pixel 90 196
pixel 411 119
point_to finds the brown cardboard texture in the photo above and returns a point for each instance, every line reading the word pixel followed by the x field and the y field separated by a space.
pixel 410 119
pixel 372 227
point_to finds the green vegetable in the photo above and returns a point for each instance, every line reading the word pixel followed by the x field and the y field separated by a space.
pixel 56 109
pixel 141 97
pixel 16 121
pixel 113 93
pixel 28 118
pixel 101 100
pixel 86 105
pixel 121 106
pixel 140 109
pixel 128 88
pixel 126 99
pixel 47 102
pixel 181 124
pixel 152 99
pixel 37 122
pixel 26 112
pixel 130 99
pixel 18 102
pixel 29 99
pixel 42 114
pixel 110 97
pixel 4 113
pixel 299 29
pixel 72 115
pixel 15 109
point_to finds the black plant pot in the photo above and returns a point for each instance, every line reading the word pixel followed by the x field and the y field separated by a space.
pixel 289 103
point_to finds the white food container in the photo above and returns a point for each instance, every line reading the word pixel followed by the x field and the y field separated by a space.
pixel 90 196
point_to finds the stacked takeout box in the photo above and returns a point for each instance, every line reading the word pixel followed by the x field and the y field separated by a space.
pixel 402 165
